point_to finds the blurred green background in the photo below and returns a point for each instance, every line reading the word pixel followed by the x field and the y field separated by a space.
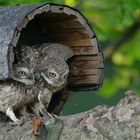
pixel 117 26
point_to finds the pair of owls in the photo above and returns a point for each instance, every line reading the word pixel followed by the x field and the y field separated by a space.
pixel 41 70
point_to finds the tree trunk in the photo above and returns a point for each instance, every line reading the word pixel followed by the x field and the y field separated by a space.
pixel 120 122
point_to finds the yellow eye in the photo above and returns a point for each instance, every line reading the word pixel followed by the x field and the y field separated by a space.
pixel 21 73
pixel 52 74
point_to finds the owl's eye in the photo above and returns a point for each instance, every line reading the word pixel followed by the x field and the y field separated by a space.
pixel 21 73
pixel 52 74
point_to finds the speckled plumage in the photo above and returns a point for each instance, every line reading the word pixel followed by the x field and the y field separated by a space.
pixel 21 91
pixel 27 55
pixel 14 95
pixel 54 50
pixel 52 84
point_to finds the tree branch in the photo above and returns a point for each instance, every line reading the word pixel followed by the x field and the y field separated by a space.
pixel 101 123
pixel 129 32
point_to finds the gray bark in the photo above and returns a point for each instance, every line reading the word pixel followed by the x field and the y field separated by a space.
pixel 10 18
pixel 120 122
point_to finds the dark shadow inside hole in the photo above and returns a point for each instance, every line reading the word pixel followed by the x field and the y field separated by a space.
pixel 33 34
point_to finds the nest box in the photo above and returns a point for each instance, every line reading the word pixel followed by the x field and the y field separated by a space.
pixel 38 23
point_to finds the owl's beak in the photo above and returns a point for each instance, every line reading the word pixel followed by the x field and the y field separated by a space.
pixel 43 75
pixel 36 76
pixel 30 83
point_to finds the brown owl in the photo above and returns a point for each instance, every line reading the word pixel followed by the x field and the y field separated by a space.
pixel 20 91
pixel 53 77
pixel 14 95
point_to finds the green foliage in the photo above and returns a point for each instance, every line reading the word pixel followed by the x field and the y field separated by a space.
pixel 15 2
pixel 109 19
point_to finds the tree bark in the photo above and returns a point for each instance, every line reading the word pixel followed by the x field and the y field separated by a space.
pixel 120 122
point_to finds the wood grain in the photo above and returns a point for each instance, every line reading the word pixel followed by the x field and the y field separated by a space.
pixel 84 50
pixel 89 79
pixel 81 72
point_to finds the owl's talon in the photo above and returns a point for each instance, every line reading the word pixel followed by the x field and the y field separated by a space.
pixel 14 124
pixel 20 122
pixel 54 115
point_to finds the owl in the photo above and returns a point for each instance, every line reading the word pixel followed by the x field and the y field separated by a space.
pixel 14 96
pixel 52 78
pixel 22 82
pixel 26 60
pixel 18 92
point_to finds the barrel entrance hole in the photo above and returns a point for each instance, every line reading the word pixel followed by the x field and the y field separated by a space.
pixel 66 26
pixel 47 27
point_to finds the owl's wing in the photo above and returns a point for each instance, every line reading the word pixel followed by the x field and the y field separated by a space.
pixel 56 50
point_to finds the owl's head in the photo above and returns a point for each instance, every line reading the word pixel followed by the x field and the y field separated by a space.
pixel 23 74
pixel 54 71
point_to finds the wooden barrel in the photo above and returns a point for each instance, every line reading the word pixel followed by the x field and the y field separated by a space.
pixel 39 23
